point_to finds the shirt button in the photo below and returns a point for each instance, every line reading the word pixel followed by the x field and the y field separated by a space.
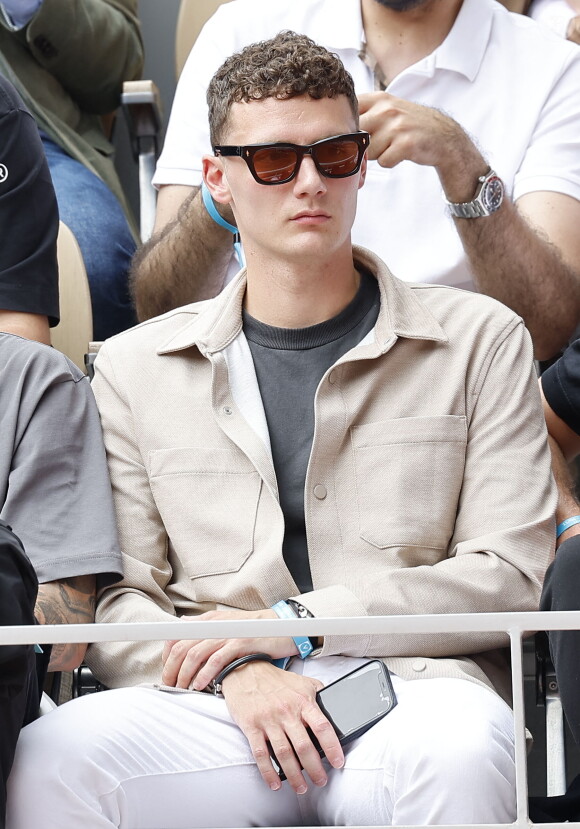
pixel 227 410
pixel 332 377
pixel 320 492
pixel 419 665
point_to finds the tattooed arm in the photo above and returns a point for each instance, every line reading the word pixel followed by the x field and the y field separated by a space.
pixel 68 601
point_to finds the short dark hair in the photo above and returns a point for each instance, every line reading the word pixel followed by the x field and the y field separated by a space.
pixel 286 66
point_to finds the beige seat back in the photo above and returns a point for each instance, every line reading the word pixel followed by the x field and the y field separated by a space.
pixel 193 14
pixel 75 330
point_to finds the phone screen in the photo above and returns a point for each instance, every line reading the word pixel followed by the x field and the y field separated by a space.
pixel 357 698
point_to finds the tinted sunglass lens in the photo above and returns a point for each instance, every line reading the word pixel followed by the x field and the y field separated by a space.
pixel 337 158
pixel 275 164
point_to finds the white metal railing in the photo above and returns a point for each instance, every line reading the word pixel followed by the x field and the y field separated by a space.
pixel 516 625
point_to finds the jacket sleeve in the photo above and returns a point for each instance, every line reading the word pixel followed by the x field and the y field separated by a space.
pixel 504 530
pixel 89 46
pixel 141 595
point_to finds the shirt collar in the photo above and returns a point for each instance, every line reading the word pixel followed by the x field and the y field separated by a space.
pixel 472 25
pixel 464 47
pixel 218 322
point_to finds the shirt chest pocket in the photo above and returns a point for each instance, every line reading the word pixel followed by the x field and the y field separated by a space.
pixel 409 473
pixel 208 501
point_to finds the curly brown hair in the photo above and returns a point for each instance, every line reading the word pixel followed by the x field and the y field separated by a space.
pixel 286 66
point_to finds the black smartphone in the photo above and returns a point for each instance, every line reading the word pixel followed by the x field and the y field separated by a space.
pixel 353 703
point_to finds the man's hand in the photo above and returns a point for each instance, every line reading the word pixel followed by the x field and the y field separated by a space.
pixel 276 707
pixel 195 662
pixel 404 131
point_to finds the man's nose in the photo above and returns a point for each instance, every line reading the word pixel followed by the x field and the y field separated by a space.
pixel 308 178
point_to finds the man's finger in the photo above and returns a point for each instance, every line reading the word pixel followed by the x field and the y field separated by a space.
pixel 323 732
pixel 366 100
pixel 261 753
pixel 215 663
pixel 190 650
pixel 286 758
pixel 306 749
pixel 167 649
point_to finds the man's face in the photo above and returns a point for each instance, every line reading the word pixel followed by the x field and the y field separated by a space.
pixel 309 216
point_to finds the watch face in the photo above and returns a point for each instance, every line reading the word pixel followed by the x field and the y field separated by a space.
pixel 492 194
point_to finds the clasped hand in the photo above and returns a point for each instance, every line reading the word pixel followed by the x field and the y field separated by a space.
pixel 271 706
pixel 193 663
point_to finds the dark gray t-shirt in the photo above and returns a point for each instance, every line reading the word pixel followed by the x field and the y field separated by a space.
pixel 290 363
pixel 54 483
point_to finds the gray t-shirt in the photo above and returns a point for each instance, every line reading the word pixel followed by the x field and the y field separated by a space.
pixel 54 483
pixel 289 363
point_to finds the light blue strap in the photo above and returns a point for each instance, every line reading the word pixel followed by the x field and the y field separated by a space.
pixel 565 525
pixel 219 219
pixel 303 643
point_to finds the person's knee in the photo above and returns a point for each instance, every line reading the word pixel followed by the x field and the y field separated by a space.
pixel 466 733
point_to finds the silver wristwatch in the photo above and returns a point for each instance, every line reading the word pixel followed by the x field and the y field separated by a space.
pixel 488 198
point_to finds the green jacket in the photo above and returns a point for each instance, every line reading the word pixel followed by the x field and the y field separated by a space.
pixel 69 64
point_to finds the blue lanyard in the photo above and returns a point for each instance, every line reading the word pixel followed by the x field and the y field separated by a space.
pixel 213 212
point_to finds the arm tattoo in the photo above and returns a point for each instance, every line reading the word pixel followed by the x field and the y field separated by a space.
pixel 67 601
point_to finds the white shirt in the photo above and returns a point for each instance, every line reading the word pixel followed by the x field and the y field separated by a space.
pixel 556 14
pixel 510 83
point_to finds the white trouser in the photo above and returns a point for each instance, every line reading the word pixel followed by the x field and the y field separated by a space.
pixel 139 758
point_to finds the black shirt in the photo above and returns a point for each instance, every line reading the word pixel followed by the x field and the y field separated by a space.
pixel 289 363
pixel 561 386
pixel 28 214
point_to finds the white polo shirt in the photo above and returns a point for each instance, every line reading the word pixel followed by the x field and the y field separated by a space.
pixel 556 14
pixel 510 83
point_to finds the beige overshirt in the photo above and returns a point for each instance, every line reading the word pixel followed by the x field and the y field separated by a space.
pixel 428 488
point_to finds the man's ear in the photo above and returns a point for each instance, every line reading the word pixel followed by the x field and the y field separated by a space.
pixel 215 178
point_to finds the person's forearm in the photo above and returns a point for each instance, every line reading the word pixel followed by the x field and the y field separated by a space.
pixel 515 263
pixel 511 259
pixel 68 601
pixel 567 502
pixel 185 262
pixel 512 262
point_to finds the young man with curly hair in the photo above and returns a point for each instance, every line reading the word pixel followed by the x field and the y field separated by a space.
pixel 320 439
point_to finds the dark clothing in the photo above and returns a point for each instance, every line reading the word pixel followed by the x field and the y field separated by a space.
pixel 561 385
pixel 28 214
pixel 55 492
pixel 302 356
pixel 561 589
pixel 54 482
pixel 19 694
pixel 561 593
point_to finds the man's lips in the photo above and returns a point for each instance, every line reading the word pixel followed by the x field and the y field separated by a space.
pixel 311 217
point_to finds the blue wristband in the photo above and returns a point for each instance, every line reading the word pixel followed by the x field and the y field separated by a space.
pixel 219 220
pixel 565 525
pixel 303 643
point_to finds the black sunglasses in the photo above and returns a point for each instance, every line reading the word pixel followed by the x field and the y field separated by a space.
pixel 336 157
